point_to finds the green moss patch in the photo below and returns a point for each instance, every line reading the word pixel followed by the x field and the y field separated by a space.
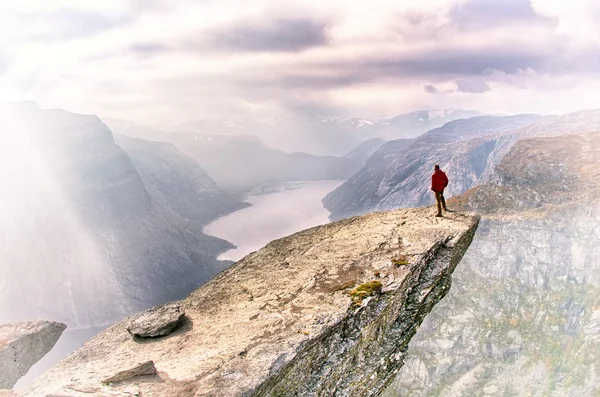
pixel 365 290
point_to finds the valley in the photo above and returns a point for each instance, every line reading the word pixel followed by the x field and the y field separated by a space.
pixel 276 211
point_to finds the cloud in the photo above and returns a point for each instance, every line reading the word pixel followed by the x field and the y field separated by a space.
pixel 487 13
pixel 148 48
pixel 575 18
pixel 285 34
pixel 443 65
pixel 66 23
pixel 430 89
pixel 184 59
pixel 476 86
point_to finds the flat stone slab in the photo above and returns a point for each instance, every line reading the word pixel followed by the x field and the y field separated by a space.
pixel 157 321
pixel 24 344
pixel 283 320
pixel 143 369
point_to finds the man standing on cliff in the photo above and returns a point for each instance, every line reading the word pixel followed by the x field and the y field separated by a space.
pixel 439 181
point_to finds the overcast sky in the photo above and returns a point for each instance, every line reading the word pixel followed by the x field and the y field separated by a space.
pixel 167 61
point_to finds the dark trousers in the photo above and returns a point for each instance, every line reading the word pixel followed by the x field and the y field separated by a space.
pixel 441 201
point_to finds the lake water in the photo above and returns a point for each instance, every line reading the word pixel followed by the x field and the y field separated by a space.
pixel 277 211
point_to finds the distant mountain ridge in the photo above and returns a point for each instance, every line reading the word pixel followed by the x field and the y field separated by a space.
pixel 327 135
pixel 365 150
pixel 242 162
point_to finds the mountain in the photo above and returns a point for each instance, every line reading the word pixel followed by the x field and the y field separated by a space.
pixel 90 234
pixel 522 317
pixel 135 130
pixel 398 174
pixel 177 181
pixel 365 150
pixel 323 135
pixel 413 124
pixel 241 163
pixel 327 311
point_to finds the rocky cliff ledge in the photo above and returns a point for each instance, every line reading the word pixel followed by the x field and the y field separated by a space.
pixel 24 344
pixel 326 312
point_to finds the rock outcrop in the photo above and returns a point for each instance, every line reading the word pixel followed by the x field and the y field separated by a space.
pixel 22 345
pixel 327 311
pixel 523 314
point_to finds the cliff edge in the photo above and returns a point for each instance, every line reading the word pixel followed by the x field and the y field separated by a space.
pixel 325 312
pixel 24 344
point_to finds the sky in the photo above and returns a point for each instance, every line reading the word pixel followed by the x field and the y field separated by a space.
pixel 164 62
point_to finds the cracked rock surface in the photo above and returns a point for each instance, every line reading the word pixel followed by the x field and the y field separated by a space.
pixel 24 344
pixel 282 321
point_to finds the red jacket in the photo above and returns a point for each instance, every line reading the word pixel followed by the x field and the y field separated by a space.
pixel 439 181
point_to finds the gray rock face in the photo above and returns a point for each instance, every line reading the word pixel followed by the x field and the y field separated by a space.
pixel 523 315
pixel 158 321
pixel 22 345
pixel 288 320
pixel 89 239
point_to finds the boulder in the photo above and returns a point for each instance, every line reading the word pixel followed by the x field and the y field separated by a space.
pixel 24 344
pixel 157 321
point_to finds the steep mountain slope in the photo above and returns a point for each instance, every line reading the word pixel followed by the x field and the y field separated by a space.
pixel 365 150
pixel 523 314
pixel 84 241
pixel 398 175
pixel 323 312
pixel 177 183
